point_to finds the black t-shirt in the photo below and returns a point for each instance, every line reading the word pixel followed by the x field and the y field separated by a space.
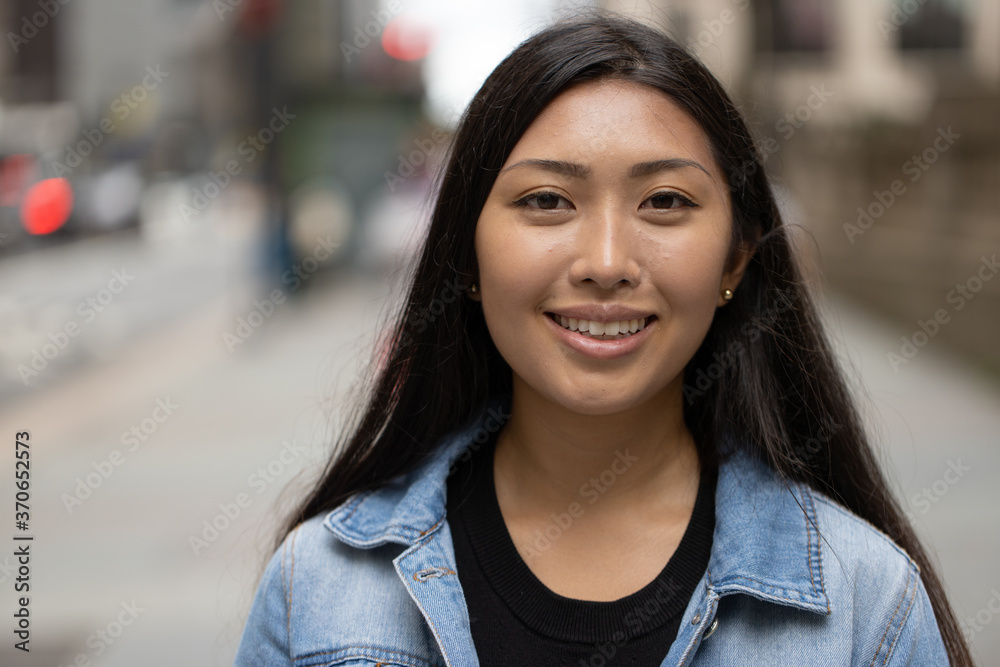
pixel 517 620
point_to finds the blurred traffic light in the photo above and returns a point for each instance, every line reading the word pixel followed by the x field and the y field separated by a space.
pixel 404 39
pixel 46 206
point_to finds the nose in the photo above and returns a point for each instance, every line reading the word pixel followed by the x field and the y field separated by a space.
pixel 605 252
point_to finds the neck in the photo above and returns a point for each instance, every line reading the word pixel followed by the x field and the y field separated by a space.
pixel 548 456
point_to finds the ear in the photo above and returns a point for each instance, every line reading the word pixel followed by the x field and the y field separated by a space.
pixel 478 294
pixel 738 264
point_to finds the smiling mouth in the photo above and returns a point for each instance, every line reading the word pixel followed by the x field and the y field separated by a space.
pixel 602 330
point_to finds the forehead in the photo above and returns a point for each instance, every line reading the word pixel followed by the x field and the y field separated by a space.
pixel 598 121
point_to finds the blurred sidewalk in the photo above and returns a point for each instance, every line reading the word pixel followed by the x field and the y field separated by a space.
pixel 246 421
pixel 196 426
pixel 80 303
pixel 938 422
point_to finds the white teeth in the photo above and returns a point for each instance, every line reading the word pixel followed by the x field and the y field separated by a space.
pixel 595 328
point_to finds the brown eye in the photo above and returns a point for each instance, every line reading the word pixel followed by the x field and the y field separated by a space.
pixel 546 201
pixel 669 200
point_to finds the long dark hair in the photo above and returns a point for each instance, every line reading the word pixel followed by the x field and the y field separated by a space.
pixel 764 378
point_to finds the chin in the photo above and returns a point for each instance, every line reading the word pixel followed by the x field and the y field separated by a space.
pixel 595 403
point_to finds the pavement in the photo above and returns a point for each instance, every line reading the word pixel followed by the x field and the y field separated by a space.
pixel 936 425
pixel 203 428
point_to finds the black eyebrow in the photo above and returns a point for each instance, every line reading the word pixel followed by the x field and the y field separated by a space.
pixel 570 169
pixel 647 168
pixel 574 170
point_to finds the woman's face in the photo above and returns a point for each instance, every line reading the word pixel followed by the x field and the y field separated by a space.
pixel 609 209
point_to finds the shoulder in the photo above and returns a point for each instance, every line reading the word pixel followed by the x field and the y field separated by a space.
pixel 313 564
pixel 877 586
pixel 855 545
pixel 792 550
pixel 801 521
pixel 315 600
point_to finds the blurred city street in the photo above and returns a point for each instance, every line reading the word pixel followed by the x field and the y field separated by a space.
pixel 938 423
pixel 247 421
pixel 235 422
pixel 207 210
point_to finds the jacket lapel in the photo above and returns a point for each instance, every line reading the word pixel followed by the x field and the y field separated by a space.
pixel 766 543
pixel 410 510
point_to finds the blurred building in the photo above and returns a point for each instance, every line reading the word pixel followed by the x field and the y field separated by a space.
pixel 87 90
pixel 150 101
pixel 878 119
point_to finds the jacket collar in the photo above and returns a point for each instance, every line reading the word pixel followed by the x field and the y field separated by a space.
pixel 412 505
pixel 766 542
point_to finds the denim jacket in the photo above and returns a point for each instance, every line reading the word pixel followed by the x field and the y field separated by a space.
pixel 793 579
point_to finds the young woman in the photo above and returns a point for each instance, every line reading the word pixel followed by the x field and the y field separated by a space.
pixel 627 442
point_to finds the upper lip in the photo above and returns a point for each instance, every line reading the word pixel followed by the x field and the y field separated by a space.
pixel 601 312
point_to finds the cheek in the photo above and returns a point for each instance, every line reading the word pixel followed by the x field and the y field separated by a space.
pixel 687 274
pixel 517 271
pixel 514 268
pixel 687 270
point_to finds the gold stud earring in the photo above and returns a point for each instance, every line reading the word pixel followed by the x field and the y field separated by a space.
pixel 727 294
pixel 473 289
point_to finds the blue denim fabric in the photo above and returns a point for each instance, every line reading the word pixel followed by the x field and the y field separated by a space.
pixel 793 579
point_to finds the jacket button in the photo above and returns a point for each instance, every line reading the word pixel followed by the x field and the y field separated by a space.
pixel 711 629
pixel 697 619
